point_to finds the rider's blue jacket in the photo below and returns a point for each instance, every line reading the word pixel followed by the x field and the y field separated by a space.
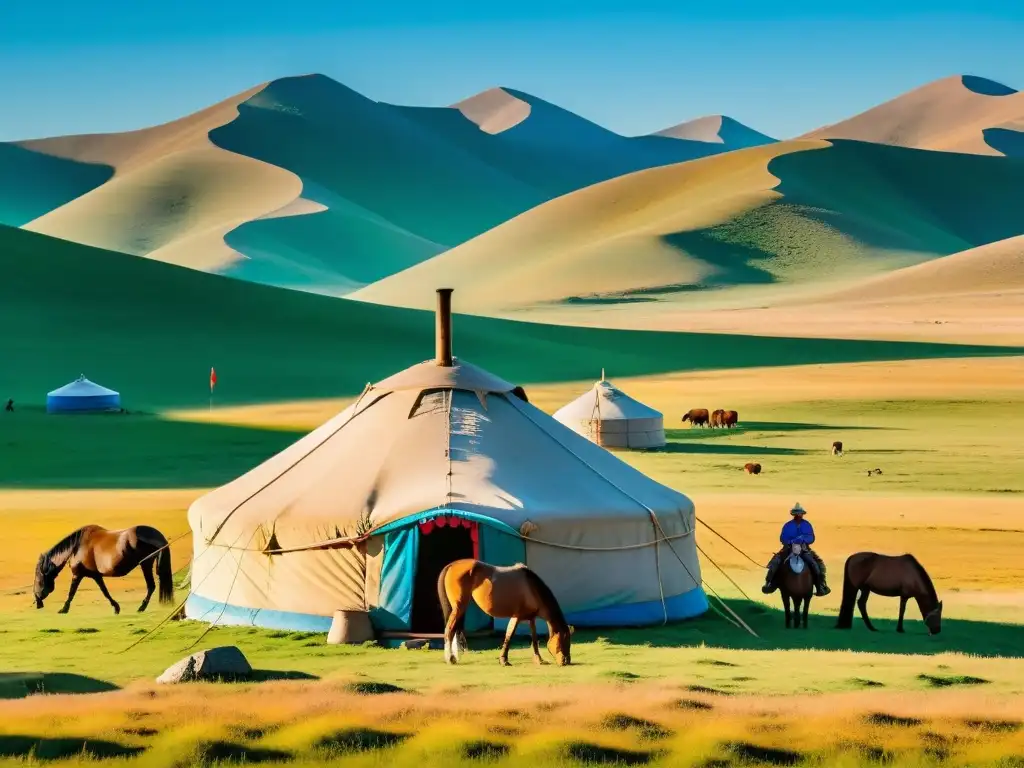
pixel 800 532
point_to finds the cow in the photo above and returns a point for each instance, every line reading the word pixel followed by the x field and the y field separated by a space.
pixel 730 419
pixel 752 469
pixel 697 417
pixel 837 448
pixel 716 418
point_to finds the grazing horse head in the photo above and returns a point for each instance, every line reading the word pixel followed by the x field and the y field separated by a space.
pixel 558 646
pixel 933 619
pixel 46 577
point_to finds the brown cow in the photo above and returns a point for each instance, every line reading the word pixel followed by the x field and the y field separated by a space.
pixel 752 469
pixel 716 418
pixel 837 448
pixel 698 417
pixel 730 419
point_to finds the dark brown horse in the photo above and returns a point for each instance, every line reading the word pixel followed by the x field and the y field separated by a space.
pixel 698 417
pixel 890 576
pixel 795 587
pixel 515 593
pixel 94 552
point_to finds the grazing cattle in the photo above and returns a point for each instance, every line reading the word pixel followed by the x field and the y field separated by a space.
pixel 730 419
pixel 837 448
pixel 697 417
pixel 716 418
pixel 752 469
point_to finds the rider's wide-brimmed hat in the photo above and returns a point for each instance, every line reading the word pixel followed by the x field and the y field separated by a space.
pixel 797 510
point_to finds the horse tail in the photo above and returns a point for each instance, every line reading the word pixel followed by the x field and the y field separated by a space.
pixel 164 575
pixel 849 597
pixel 442 595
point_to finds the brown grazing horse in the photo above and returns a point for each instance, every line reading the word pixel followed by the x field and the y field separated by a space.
pixel 716 418
pixel 752 468
pixel 698 417
pixel 798 587
pixel 95 552
pixel 730 419
pixel 837 448
pixel 890 576
pixel 515 593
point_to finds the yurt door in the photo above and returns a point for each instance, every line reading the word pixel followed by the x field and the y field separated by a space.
pixel 442 540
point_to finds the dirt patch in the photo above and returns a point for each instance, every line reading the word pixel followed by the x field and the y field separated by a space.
pixel 595 754
pixel 353 740
pixel 648 730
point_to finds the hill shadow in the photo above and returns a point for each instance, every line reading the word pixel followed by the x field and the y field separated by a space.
pixel 45 748
pixel 978 638
pixel 730 449
pixel 128 451
pixel 19 685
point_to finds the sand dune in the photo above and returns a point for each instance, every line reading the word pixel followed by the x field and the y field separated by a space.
pixel 717 129
pixel 955 114
pixel 174 194
pixel 495 110
pixel 993 268
pixel 744 229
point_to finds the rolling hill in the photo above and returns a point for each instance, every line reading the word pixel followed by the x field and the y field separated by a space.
pixel 789 215
pixel 717 129
pixel 963 113
pixel 152 331
pixel 305 183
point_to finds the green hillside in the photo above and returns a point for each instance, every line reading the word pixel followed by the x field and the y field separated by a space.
pixel 152 331
pixel 32 183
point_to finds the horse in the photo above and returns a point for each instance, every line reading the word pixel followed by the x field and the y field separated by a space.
pixel 698 417
pixel 515 593
pixel 716 418
pixel 95 552
pixel 730 419
pixel 796 583
pixel 899 576
pixel 837 448
pixel 752 468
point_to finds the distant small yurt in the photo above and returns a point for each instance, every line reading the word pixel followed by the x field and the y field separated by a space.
pixel 612 419
pixel 82 396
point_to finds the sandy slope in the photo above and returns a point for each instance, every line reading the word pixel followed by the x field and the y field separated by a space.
pixel 993 268
pixel 494 110
pixel 951 114
pixel 742 230
pixel 717 129
pixel 604 238
pixel 174 195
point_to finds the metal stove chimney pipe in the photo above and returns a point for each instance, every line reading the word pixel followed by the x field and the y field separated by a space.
pixel 443 332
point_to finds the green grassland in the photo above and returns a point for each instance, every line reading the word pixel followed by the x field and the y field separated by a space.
pixel 152 331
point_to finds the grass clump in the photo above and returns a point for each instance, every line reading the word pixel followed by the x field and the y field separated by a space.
pixel 938 681
pixel 648 730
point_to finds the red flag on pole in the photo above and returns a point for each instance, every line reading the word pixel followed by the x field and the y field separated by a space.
pixel 213 379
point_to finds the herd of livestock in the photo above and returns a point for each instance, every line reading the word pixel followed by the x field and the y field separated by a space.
pixel 700 417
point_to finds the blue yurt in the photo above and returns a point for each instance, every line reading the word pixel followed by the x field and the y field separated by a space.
pixel 82 396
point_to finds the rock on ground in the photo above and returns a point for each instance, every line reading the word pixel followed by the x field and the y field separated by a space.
pixel 224 663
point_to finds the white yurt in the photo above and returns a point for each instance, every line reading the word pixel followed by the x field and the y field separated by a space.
pixel 609 417
pixel 82 396
pixel 436 463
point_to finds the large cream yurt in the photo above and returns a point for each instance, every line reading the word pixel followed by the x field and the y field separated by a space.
pixel 609 417
pixel 439 462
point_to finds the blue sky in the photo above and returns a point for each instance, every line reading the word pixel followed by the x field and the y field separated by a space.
pixel 782 67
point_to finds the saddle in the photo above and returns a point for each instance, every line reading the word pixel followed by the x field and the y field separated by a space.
pixel 796 561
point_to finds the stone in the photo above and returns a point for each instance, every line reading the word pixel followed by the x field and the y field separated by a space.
pixel 217 664
pixel 413 645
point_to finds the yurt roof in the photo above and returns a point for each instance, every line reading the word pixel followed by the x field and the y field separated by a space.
pixel 606 402
pixel 434 437
pixel 82 387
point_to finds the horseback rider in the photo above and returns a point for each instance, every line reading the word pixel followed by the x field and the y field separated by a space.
pixel 798 531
